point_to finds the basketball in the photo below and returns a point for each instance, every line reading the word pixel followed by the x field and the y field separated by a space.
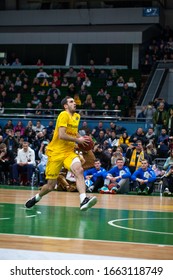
pixel 89 145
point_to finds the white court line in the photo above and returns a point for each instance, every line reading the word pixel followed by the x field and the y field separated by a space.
pixel 111 223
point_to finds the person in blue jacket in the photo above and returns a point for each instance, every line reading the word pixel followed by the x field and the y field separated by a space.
pixel 94 176
pixel 144 178
pixel 116 180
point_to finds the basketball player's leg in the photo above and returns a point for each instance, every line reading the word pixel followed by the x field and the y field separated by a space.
pixel 52 172
pixel 74 164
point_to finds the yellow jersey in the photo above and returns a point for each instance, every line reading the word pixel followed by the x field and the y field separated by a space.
pixel 59 146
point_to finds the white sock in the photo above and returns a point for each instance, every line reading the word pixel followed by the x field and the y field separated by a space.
pixel 82 197
pixel 37 197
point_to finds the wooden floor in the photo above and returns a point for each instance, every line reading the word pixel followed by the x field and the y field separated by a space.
pixel 128 226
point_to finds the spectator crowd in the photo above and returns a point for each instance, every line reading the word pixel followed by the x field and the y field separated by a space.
pixel 118 163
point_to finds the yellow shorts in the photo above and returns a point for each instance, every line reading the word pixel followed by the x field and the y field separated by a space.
pixel 54 165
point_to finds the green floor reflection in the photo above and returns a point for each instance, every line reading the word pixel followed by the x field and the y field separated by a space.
pixel 96 224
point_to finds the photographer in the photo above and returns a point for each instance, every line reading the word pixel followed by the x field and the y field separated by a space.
pixel 11 141
pixel 6 161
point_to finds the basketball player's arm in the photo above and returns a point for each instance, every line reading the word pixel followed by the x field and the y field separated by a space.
pixel 64 136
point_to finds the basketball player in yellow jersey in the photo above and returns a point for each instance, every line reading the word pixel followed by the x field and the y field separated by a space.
pixel 60 153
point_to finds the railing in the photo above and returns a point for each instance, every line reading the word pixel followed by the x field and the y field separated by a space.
pixel 85 114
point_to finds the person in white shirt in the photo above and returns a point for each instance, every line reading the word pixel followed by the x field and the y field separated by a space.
pixel 42 74
pixel 25 163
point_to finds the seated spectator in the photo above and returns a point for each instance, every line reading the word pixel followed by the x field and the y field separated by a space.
pixel 42 74
pixel 11 141
pixel 97 129
pixel 22 75
pixel 56 73
pixel 86 82
pixel 56 81
pixel 82 74
pixel 116 180
pixel 106 110
pixel 49 109
pixel 71 90
pixel 163 144
pixel 53 90
pixel 113 139
pixel 44 83
pixel 167 185
pixel 92 73
pixel 24 89
pixel 39 62
pixel 71 73
pixel 5 62
pixel 65 82
pixel 78 82
pixel 30 134
pixel 120 81
pixel 8 125
pixel 83 92
pixel 84 127
pixel 35 100
pixel 107 61
pixel 102 74
pixel 121 103
pixel 124 141
pixel 38 127
pixel 87 102
pixel 39 109
pixel 19 127
pixel 151 150
pixel 16 62
pixel 131 83
pixel 114 73
pixel 150 135
pixel 4 98
pixel 25 163
pixel 169 161
pixel 17 99
pixel 109 81
pixel 102 92
pixel 139 134
pixel 11 89
pixel 107 100
pixel 18 82
pixel 42 164
pixel 144 178
pixel 94 175
pixel 117 153
pixel 36 82
pixel 29 109
pixel 77 100
pixel 49 130
pixel 56 99
pixel 129 93
pixel 135 154
pixel 6 162
pixel 101 137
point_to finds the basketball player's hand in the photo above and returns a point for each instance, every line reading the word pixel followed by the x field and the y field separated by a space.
pixel 82 140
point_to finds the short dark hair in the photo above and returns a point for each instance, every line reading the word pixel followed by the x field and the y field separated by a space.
pixel 64 101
